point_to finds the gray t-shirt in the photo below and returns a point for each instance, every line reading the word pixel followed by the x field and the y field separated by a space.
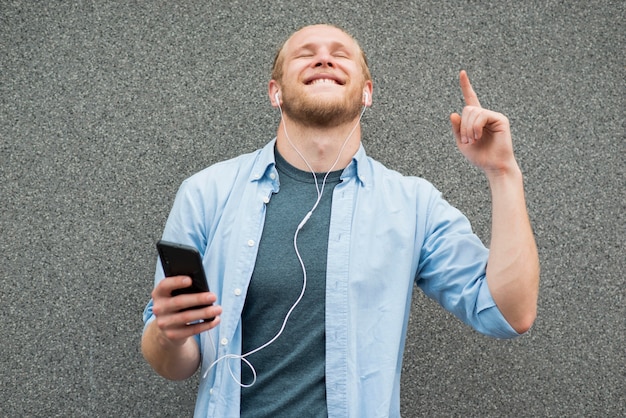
pixel 291 371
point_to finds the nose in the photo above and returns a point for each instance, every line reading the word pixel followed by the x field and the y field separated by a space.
pixel 324 59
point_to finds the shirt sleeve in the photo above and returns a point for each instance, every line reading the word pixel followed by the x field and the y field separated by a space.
pixel 183 226
pixel 452 270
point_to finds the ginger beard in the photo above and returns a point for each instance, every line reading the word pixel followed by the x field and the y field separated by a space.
pixel 321 110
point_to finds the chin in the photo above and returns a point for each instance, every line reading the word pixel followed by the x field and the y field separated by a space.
pixel 321 111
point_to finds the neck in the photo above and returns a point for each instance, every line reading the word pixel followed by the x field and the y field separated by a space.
pixel 324 149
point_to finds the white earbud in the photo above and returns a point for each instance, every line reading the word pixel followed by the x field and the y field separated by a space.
pixel 277 98
pixel 365 98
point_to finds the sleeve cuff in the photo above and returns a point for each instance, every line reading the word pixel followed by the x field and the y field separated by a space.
pixel 490 320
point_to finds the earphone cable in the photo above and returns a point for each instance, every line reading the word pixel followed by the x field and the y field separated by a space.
pixel 320 191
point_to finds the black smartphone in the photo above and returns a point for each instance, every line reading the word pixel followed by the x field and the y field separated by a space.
pixel 183 260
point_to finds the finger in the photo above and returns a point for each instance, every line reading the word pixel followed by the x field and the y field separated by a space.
pixel 455 121
pixel 466 130
pixel 185 331
pixel 164 303
pixel 473 123
pixel 203 313
pixel 175 319
pixel 168 284
pixel 471 99
pixel 203 326
pixel 185 308
pixel 192 300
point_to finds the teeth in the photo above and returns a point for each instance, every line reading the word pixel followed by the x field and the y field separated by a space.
pixel 323 80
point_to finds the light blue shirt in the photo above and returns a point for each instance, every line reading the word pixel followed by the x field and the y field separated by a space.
pixel 387 232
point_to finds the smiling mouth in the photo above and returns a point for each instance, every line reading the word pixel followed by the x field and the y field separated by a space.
pixel 324 80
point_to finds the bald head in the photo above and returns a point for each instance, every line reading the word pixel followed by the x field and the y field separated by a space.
pixel 279 59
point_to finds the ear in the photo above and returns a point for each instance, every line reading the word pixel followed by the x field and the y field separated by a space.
pixel 272 90
pixel 368 89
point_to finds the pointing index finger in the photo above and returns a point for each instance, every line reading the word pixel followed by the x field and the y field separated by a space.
pixel 468 92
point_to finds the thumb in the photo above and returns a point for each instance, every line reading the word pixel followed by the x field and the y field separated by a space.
pixel 455 120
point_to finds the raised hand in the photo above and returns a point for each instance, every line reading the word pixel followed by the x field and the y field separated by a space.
pixel 483 136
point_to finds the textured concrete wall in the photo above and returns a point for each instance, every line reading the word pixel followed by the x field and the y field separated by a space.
pixel 105 107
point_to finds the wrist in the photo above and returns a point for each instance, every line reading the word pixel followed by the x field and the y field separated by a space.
pixel 166 343
pixel 505 172
pixel 169 344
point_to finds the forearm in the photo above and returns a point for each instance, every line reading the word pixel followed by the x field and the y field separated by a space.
pixel 170 360
pixel 513 266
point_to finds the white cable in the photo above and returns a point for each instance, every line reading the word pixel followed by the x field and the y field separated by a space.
pixel 320 191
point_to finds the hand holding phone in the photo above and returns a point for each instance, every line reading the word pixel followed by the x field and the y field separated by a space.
pixel 183 260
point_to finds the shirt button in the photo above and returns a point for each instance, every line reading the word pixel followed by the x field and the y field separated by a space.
pixel 237 292
pixel 250 243
pixel 272 176
pixel 224 341
pixel 211 391
pixel 266 200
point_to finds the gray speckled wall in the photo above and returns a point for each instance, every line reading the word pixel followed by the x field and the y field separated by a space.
pixel 105 107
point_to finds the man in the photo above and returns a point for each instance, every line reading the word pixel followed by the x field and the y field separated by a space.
pixel 311 274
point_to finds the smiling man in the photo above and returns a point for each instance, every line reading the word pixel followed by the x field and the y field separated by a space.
pixel 329 93
pixel 312 249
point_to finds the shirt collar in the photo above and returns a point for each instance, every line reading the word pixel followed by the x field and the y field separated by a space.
pixel 359 166
pixel 265 165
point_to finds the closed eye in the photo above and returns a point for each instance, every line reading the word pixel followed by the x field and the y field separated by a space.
pixel 341 52
pixel 304 53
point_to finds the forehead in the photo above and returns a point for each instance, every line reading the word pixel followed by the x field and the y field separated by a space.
pixel 319 35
